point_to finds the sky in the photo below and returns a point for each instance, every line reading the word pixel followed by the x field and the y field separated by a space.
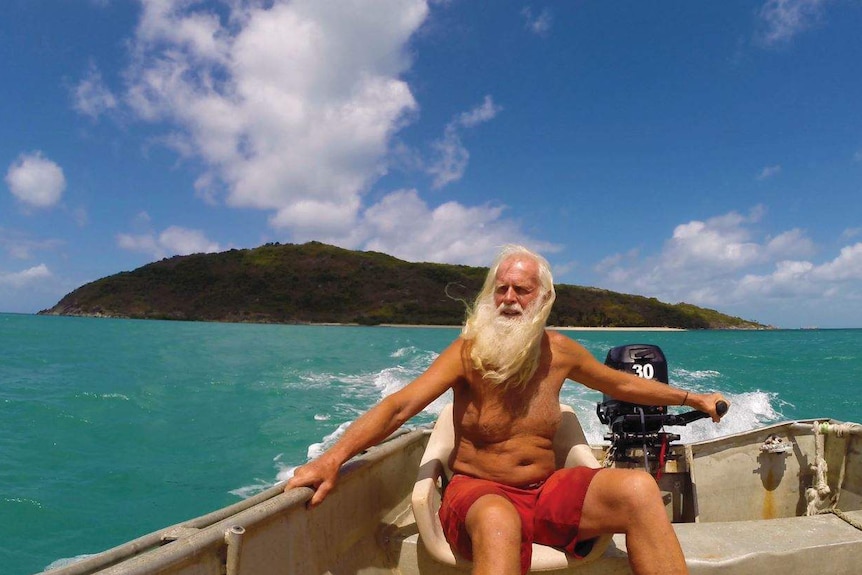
pixel 691 151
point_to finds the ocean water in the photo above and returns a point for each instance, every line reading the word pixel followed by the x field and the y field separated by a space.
pixel 111 429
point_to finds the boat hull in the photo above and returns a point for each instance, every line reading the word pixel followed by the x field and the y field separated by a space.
pixel 736 510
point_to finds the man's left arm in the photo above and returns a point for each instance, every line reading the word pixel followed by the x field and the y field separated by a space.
pixel 586 369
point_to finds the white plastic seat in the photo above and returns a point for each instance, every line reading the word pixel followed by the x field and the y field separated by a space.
pixel 571 449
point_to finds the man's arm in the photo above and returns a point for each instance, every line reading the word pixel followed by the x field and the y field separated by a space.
pixel 379 422
pixel 586 369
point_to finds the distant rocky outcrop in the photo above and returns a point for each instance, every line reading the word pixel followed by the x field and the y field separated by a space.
pixel 319 283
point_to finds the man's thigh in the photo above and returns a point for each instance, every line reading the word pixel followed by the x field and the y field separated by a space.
pixel 606 508
pixel 560 508
pixel 463 492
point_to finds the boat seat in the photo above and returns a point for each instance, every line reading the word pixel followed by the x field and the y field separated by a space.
pixel 571 450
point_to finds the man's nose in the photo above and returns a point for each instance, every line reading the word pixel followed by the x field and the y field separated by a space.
pixel 510 296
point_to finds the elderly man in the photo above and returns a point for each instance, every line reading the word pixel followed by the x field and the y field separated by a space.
pixel 506 371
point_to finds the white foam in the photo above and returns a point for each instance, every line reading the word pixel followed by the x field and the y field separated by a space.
pixel 747 411
pixel 253 489
pixel 316 449
pixel 695 376
pixel 65 562
pixel 401 352
pixel 392 379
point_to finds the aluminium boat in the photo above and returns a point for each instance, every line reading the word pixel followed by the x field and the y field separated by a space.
pixel 783 499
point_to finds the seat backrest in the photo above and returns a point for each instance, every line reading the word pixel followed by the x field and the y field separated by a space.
pixel 571 450
pixel 570 443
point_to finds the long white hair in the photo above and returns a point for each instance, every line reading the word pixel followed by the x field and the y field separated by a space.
pixel 506 351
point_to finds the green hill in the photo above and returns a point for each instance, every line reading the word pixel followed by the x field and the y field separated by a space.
pixel 318 283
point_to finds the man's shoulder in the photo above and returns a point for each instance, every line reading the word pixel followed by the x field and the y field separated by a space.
pixel 456 350
pixel 555 338
pixel 562 344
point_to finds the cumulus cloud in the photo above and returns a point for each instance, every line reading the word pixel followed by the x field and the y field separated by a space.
pixel 291 107
pixel 403 225
pixel 782 20
pixel 35 180
pixel 25 278
pixel 726 263
pixel 173 241
pixel 451 156
pixel 703 261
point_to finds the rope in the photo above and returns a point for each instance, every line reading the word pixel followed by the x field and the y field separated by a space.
pixel 841 429
pixel 819 491
pixel 843 516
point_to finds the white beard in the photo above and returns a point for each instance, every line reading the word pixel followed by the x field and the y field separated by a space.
pixel 506 346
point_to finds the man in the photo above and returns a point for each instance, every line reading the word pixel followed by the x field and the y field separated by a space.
pixel 506 371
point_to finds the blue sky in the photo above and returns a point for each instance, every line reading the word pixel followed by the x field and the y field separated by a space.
pixel 705 152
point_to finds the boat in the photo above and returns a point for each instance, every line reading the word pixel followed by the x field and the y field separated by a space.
pixel 781 499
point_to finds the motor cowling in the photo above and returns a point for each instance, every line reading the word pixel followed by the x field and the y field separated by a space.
pixel 646 361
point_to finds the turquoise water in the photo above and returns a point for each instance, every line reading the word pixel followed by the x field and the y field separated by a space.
pixel 110 429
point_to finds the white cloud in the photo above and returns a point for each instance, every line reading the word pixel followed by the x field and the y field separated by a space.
pixel 29 277
pixel 35 180
pixel 20 247
pixel 724 263
pixel 291 107
pixel 847 266
pixel 720 243
pixel 781 20
pixel 451 157
pixel 769 171
pixel 403 225
pixel 789 244
pixel 91 96
pixel 850 233
pixel 539 24
pixel 482 113
pixel 173 241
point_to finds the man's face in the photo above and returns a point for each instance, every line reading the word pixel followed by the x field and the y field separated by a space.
pixel 517 286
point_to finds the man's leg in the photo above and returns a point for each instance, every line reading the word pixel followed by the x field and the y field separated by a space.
pixel 495 529
pixel 629 501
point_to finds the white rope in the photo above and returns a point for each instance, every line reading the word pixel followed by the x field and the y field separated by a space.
pixel 844 517
pixel 819 490
pixel 818 495
pixel 842 429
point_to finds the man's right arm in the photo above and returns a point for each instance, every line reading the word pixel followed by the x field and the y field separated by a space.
pixel 380 421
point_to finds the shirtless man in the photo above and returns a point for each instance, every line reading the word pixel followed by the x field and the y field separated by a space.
pixel 506 371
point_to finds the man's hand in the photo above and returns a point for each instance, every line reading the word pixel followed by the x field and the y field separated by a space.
pixel 320 474
pixel 706 402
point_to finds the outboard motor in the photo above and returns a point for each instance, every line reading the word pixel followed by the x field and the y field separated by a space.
pixel 635 426
pixel 643 360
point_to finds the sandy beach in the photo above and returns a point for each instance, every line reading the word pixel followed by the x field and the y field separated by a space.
pixel 554 327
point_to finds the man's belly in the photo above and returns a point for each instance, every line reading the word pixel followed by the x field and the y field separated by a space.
pixel 516 464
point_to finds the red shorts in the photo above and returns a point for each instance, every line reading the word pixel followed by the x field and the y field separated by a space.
pixel 550 511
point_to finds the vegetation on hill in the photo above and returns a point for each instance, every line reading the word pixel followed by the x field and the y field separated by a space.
pixel 318 283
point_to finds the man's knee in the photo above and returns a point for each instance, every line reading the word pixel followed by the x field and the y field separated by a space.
pixel 639 492
pixel 493 517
